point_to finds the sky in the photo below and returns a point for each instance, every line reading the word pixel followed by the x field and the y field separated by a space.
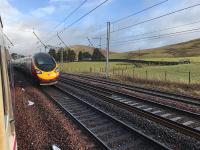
pixel 45 17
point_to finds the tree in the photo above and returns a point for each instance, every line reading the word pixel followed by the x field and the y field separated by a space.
pixel 97 55
pixel 71 55
pixel 14 55
pixel 65 55
pixel 86 56
pixel 80 56
pixel 52 52
pixel 58 55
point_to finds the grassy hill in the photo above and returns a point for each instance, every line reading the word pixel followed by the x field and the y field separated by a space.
pixel 185 49
pixel 83 48
pixel 180 50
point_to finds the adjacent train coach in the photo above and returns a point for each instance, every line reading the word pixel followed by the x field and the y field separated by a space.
pixel 7 127
pixel 41 66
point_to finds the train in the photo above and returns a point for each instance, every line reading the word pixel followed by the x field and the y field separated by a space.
pixel 41 66
pixel 7 119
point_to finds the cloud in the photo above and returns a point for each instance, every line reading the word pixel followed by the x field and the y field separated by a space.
pixel 5 7
pixel 41 12
pixel 19 26
pixel 185 17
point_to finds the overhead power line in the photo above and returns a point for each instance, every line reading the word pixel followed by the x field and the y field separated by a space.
pixel 64 20
pixel 82 17
pixel 145 9
pixel 154 38
pixel 167 14
pixel 164 29
pixel 8 39
pixel 90 42
pixel 158 36
pixel 45 47
pixel 60 32
pixel 62 41
pixel 70 14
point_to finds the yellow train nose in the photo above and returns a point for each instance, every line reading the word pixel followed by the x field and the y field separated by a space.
pixel 48 75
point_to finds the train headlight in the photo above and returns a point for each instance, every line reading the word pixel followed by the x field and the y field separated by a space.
pixel 57 70
pixel 38 71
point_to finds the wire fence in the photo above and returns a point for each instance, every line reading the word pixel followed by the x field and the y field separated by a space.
pixel 189 77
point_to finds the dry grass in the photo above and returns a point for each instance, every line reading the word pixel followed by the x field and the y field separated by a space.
pixel 177 87
pixel 173 73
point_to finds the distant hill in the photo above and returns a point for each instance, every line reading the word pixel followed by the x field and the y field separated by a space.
pixel 185 49
pixel 84 48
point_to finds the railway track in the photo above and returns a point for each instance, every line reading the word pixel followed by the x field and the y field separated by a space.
pixel 149 91
pixel 180 120
pixel 109 132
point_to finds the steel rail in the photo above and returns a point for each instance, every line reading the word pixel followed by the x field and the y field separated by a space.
pixel 166 122
pixel 82 126
pixel 128 95
pixel 150 91
pixel 125 126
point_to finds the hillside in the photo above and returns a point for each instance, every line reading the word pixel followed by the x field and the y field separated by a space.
pixel 83 48
pixel 185 49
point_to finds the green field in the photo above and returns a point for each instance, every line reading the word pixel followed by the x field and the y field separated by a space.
pixel 176 52
pixel 176 73
pixel 87 66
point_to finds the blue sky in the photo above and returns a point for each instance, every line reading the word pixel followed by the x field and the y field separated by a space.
pixel 21 16
pixel 28 5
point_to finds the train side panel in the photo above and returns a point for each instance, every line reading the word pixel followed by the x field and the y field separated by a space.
pixel 7 129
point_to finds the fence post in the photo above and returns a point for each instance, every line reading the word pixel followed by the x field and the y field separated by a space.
pixel 146 75
pixel 189 77
pixel 113 70
pixel 165 76
pixel 90 69
pixel 122 71
pixel 133 74
pixel 118 71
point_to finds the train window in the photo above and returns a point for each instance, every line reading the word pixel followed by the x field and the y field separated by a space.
pixel 44 62
pixel 43 59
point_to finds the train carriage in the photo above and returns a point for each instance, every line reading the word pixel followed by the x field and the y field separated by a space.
pixel 7 128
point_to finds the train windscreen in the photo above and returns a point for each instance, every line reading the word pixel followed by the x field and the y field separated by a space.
pixel 44 62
